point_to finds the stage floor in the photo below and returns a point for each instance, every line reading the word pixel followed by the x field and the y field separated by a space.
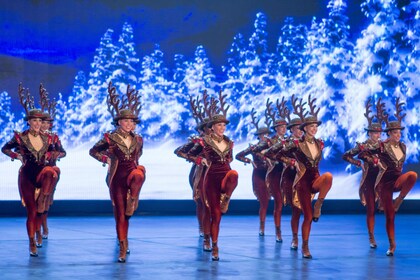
pixel 168 247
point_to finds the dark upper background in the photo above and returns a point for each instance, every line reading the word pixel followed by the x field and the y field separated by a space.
pixel 50 41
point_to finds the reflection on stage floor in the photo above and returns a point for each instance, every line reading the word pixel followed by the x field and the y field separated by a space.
pixel 169 247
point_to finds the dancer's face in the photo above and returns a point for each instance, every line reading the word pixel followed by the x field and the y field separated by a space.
pixel 395 135
pixel 262 136
pixel 281 129
pixel 45 125
pixel 126 125
pixel 374 135
pixel 311 129
pixel 219 128
pixel 296 132
pixel 35 124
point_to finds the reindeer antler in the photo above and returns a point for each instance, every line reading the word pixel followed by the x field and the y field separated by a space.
pixel 25 99
pixel 132 100
pixel 223 107
pixel 113 101
pixel 206 104
pixel 312 107
pixel 43 95
pixel 213 109
pixel 381 115
pixel 298 108
pixel 52 108
pixel 368 111
pixel 270 115
pixel 399 109
pixel 254 120
pixel 195 108
pixel 282 109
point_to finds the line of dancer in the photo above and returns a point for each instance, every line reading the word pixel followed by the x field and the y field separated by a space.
pixel 38 176
pixel 216 180
pixel 382 163
pixel 289 171
pixel 197 171
pixel 284 167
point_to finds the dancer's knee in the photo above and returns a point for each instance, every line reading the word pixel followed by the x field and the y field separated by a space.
pixel 411 177
pixel 136 177
pixel 232 176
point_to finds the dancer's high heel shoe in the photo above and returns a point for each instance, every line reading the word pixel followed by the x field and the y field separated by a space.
pixel 305 250
pixel 38 239
pixel 215 252
pixel 206 243
pixel 391 249
pixel 262 229
pixel 372 242
pixel 278 235
pixel 123 251
pixel 295 242
pixel 33 252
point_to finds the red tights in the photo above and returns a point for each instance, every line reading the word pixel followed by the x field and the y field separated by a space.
pixel 215 186
pixel 321 185
pixel 134 183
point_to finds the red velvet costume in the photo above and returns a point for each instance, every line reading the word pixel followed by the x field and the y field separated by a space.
pixel 219 181
pixel 366 189
pixel 286 187
pixel 36 179
pixel 390 180
pixel 121 149
pixel 307 183
pixel 272 181
pixel 259 173
pixel 125 179
pixel 194 178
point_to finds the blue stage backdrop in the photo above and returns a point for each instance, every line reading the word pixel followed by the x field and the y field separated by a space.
pixel 340 52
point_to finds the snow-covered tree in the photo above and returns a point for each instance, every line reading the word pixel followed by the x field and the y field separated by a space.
pixel 160 111
pixel 93 112
pixel 6 118
pixel 290 49
pixel 179 90
pixel 125 60
pixel 72 116
pixel 59 120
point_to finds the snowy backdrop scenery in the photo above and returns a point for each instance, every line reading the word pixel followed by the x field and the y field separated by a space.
pixel 341 52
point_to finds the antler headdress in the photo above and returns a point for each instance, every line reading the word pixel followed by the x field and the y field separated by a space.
pixel 254 121
pixel 47 106
pixel 313 118
pixel 128 107
pixel 282 112
pixel 28 103
pixel 373 126
pixel 392 125
pixel 218 114
pixel 296 108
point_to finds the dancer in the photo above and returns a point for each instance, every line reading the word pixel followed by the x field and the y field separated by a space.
pixel 49 109
pixel 275 168
pixel 36 179
pixel 307 153
pixel 370 170
pixel 390 157
pixel 121 150
pixel 289 172
pixel 260 165
pixel 215 152
pixel 196 171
